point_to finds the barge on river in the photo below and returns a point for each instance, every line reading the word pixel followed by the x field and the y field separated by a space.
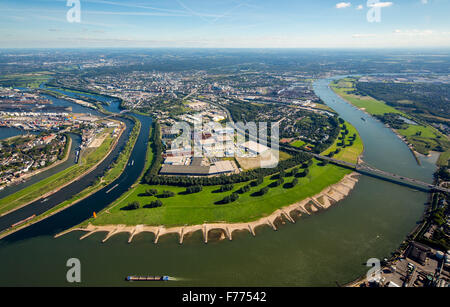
pixel 147 278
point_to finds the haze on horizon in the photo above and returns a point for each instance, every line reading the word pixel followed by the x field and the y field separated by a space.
pixel 225 24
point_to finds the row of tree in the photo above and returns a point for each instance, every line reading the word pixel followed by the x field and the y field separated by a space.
pixel 235 196
pixel 229 199
pixel 153 178
pixel 194 189
pixel 226 188
pixel 136 205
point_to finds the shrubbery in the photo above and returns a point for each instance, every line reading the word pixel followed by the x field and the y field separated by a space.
pixel 166 194
pixel 229 199
pixel 304 173
pixel 151 192
pixel 132 206
pixel 263 191
pixel 277 183
pixel 154 204
pixel 194 189
pixel 257 182
pixel 226 188
pixel 244 189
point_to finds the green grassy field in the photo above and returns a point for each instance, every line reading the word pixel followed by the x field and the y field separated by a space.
pixel 351 153
pixel 444 159
pixel 32 80
pixel 298 143
pixel 200 208
pixel 426 138
pixel 425 131
pixel 373 106
pixel 24 196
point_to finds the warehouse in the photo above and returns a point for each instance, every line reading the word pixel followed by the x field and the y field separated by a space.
pixel 195 169
pixel 254 148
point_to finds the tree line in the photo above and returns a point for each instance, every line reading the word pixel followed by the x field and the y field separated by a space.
pixel 152 177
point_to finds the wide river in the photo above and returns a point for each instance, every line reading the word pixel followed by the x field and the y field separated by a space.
pixel 319 250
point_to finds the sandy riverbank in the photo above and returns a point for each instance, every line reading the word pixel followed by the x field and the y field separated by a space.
pixel 322 201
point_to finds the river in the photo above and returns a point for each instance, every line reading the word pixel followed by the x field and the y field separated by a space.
pixel 6 133
pixel 320 250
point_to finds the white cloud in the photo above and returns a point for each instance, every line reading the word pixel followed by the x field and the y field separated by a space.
pixel 342 5
pixel 360 7
pixel 424 1
pixel 363 35
pixel 414 32
pixel 380 4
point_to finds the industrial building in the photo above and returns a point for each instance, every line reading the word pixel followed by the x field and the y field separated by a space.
pixel 198 167
pixel 254 148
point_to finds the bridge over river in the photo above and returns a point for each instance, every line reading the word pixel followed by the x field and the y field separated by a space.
pixel 366 169
pixel 362 168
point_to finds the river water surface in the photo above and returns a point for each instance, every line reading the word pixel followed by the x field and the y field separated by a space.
pixel 319 250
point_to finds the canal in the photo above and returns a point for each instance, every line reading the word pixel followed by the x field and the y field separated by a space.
pixel 320 250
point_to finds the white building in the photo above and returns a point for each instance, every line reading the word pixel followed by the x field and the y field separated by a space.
pixel 254 148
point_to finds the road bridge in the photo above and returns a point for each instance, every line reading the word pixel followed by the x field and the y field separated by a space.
pixel 366 169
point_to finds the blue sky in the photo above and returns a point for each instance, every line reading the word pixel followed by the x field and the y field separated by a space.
pixel 225 23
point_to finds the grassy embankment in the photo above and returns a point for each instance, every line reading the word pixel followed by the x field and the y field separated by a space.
pixel 349 153
pixel 88 159
pixel 200 208
pixel 422 137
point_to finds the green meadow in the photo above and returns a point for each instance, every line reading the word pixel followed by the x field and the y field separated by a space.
pixel 199 208
pixel 345 86
pixel 350 153
pixel 32 80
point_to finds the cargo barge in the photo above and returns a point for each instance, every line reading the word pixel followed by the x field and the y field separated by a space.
pixel 107 192
pixel 77 156
pixel 23 221
pixel 147 278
